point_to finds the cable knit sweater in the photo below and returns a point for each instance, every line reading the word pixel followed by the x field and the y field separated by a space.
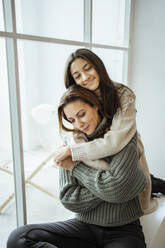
pixel 122 130
pixel 105 197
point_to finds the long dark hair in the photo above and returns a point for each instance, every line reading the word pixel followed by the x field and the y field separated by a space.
pixel 109 96
pixel 73 93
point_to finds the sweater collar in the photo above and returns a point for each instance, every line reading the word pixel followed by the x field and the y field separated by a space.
pixel 100 129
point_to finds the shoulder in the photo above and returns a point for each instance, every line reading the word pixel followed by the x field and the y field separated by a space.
pixel 133 141
pixel 132 144
pixel 124 90
pixel 126 95
pixel 131 149
pixel 126 158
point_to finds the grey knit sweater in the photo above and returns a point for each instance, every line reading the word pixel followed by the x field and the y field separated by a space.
pixel 105 197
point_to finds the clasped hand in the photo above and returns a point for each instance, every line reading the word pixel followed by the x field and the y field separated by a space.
pixel 63 158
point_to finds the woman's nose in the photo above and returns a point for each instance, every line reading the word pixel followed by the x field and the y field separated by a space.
pixel 79 124
pixel 84 76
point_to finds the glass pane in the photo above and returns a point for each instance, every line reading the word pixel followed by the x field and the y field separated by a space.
pixel 7 202
pixel 2 28
pixel 113 61
pixel 109 22
pixel 53 18
pixel 5 16
pixel 41 68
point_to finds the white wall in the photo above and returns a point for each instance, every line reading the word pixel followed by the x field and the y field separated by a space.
pixel 148 78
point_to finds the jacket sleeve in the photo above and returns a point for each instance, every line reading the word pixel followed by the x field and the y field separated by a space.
pixel 74 195
pixel 122 130
pixel 123 180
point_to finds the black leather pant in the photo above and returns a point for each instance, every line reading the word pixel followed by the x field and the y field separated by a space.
pixel 75 234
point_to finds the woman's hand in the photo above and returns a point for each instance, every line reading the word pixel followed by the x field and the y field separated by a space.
pixel 67 163
pixel 62 153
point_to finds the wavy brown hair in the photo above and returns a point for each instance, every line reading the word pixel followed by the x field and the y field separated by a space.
pixel 74 93
pixel 109 96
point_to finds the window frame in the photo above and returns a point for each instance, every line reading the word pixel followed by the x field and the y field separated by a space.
pixel 12 37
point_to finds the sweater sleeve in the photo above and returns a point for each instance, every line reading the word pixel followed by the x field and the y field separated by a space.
pixel 74 196
pixel 123 180
pixel 122 130
pixel 96 164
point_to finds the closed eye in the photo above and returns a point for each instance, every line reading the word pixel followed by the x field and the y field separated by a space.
pixel 76 76
pixel 88 67
pixel 81 115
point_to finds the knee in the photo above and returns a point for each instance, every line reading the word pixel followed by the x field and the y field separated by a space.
pixel 17 238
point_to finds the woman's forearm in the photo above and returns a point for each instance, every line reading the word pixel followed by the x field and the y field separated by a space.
pixel 74 196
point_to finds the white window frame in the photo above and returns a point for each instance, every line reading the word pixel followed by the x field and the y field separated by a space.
pixel 12 36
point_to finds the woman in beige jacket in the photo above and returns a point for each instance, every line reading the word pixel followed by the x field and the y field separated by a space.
pixel 86 69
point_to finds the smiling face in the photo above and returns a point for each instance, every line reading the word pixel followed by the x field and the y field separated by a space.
pixel 84 74
pixel 82 116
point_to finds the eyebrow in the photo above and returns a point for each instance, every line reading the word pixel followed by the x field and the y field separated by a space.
pixel 75 72
pixel 76 114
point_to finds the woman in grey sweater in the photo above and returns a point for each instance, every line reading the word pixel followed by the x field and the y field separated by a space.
pixel 106 201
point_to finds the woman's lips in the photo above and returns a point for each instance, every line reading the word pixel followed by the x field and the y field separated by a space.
pixel 85 129
pixel 91 81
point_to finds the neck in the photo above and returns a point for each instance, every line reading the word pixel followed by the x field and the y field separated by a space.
pixel 100 130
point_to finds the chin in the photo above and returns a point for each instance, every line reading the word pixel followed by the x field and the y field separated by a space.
pixel 89 133
pixel 93 88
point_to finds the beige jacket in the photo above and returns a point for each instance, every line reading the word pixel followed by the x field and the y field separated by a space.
pixel 123 128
